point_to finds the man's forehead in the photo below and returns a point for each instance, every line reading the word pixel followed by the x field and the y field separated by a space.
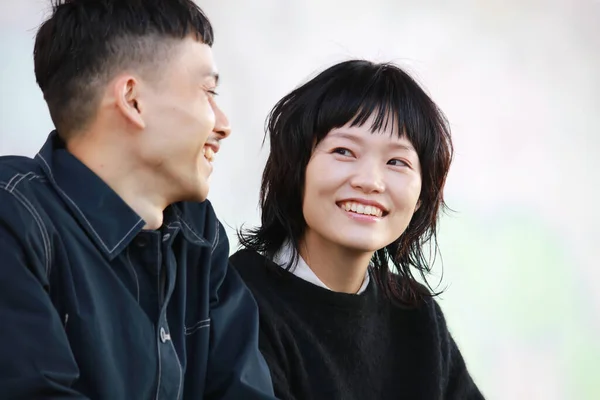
pixel 207 66
pixel 201 55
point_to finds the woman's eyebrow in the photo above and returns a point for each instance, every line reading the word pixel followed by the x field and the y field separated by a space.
pixel 406 146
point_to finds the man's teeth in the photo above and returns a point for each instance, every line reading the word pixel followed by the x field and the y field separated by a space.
pixel 209 153
pixel 362 209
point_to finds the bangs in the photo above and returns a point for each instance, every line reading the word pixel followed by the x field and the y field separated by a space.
pixel 363 90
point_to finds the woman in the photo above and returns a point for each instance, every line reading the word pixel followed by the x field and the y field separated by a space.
pixel 352 189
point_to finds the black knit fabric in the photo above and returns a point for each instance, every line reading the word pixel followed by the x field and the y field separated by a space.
pixel 321 344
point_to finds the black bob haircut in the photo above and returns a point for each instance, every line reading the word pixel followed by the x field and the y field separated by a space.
pixel 85 42
pixel 350 92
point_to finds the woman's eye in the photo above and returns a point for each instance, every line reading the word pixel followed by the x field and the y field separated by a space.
pixel 342 151
pixel 398 163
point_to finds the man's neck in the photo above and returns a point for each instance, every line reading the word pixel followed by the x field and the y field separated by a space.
pixel 114 165
pixel 339 268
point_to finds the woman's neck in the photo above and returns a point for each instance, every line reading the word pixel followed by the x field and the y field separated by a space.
pixel 339 268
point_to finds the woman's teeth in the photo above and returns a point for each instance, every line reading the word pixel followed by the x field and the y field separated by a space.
pixel 209 153
pixel 361 209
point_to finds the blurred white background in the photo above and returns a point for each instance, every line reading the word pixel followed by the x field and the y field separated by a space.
pixel 519 82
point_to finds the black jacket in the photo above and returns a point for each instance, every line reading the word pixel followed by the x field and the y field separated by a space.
pixel 94 307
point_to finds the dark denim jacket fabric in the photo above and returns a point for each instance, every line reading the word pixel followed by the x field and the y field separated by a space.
pixel 92 306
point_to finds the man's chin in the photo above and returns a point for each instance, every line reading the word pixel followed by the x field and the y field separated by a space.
pixel 201 195
pixel 198 193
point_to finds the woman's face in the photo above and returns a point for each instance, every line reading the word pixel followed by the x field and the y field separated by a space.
pixel 361 188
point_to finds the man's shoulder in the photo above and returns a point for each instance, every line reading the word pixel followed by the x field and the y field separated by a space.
pixel 13 168
pixel 23 180
pixel 23 193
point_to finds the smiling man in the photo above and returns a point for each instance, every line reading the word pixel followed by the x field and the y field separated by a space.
pixel 114 280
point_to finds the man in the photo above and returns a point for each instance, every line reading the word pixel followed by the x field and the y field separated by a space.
pixel 114 282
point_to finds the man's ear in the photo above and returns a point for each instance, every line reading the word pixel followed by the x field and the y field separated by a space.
pixel 126 91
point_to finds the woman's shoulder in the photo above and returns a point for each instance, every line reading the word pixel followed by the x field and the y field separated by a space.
pixel 251 265
pixel 247 258
pixel 263 276
pixel 423 313
pixel 413 296
pixel 432 324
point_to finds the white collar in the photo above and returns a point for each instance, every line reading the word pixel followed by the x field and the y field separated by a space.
pixel 302 270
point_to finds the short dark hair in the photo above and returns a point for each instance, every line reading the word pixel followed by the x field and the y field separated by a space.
pixel 85 42
pixel 352 91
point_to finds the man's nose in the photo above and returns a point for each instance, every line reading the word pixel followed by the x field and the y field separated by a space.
pixel 222 127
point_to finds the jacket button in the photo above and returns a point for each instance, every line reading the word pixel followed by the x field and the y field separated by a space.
pixel 164 336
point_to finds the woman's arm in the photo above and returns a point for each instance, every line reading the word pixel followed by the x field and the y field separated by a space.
pixel 268 344
pixel 459 384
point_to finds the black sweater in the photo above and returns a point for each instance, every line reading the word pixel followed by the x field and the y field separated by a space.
pixel 326 345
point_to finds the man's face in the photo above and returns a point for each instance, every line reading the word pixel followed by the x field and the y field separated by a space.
pixel 183 124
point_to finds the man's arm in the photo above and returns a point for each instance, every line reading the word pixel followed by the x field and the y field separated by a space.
pixel 236 369
pixel 36 361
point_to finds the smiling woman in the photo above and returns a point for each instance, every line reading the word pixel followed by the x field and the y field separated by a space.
pixel 353 185
pixel 361 191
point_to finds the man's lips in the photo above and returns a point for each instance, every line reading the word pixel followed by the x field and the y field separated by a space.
pixel 210 149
